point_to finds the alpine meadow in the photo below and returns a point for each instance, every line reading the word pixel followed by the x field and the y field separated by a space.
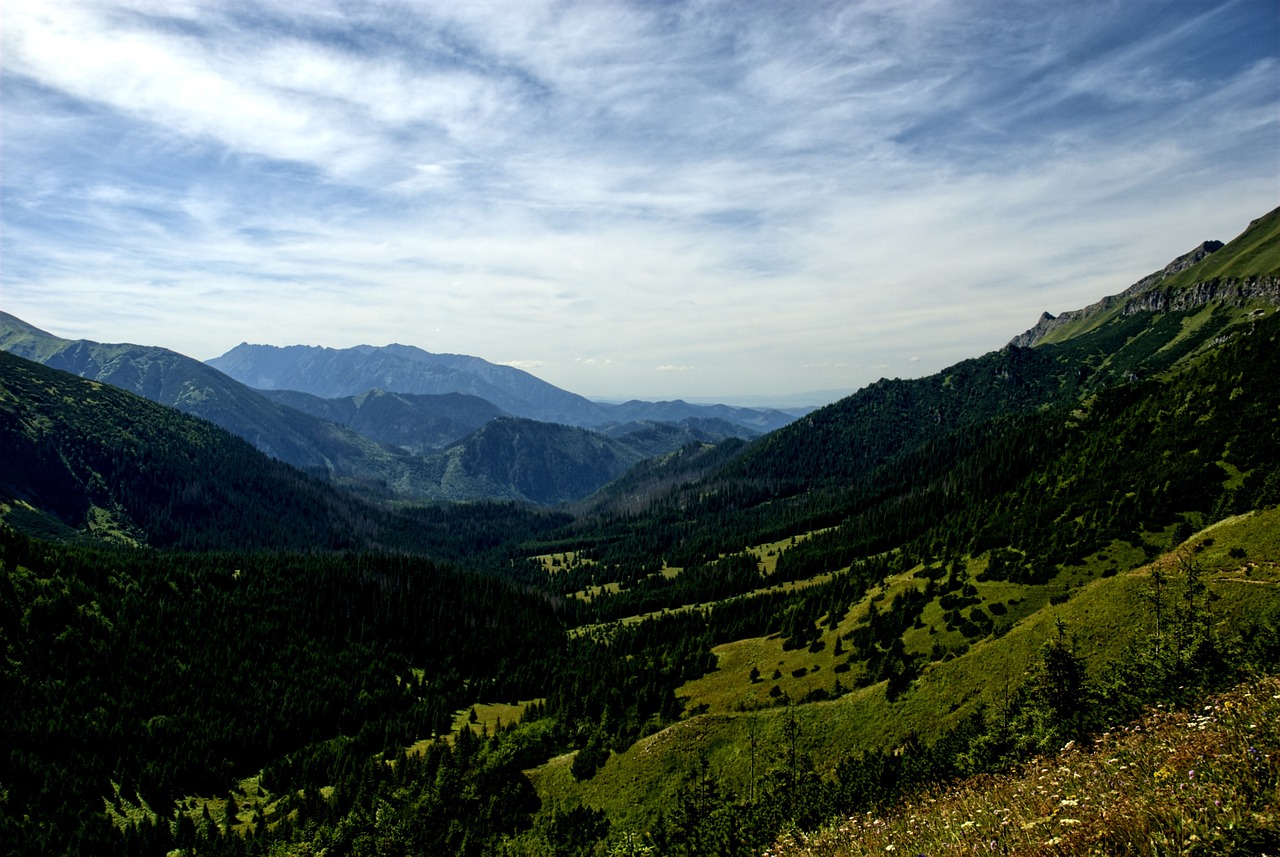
pixel 1029 604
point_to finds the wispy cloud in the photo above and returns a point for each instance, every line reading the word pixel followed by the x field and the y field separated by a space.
pixel 784 197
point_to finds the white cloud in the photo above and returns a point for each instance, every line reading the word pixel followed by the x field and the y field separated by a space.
pixel 782 198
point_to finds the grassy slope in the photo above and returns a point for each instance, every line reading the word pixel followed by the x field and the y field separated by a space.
pixel 1201 782
pixel 1105 613
pixel 1255 253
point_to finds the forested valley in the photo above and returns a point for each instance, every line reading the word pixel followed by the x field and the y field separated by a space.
pixel 209 652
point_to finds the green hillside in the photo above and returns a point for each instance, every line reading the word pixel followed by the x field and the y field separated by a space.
pixel 1254 255
pixel 82 459
pixel 417 424
pixel 1108 618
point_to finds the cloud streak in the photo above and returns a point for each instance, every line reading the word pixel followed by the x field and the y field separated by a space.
pixel 785 198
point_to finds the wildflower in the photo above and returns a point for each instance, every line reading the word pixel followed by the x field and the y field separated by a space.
pixel 1191 775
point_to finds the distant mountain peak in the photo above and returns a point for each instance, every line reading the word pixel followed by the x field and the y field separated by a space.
pixel 341 372
pixel 406 369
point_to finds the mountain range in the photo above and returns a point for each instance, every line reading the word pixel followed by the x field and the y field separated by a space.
pixel 337 373
pixel 735 643
pixel 408 443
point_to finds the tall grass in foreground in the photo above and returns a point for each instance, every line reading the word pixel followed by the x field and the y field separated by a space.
pixel 1174 782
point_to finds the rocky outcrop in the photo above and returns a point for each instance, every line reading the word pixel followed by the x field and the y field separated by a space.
pixel 1147 295
pixel 1234 291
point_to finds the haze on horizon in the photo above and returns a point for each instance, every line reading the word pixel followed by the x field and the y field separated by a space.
pixel 651 200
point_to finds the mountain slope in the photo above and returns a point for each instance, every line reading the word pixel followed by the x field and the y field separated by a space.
pixel 335 373
pixel 871 451
pixel 107 462
pixel 338 373
pixel 1162 320
pixel 418 424
pixel 376 442
pixel 1242 275
pixel 81 458
pixel 190 386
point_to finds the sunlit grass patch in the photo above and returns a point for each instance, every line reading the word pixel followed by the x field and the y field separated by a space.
pixel 768 553
pixel 488 717
pixel 557 562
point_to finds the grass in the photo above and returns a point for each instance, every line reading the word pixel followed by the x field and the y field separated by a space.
pixel 1240 558
pixel 1105 613
pixel 1175 782
pixel 491 716
pixel 254 806
pixel 555 562
pixel 1256 253
pixel 768 554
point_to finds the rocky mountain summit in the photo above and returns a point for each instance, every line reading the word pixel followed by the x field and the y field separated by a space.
pixel 1192 280
pixel 1139 290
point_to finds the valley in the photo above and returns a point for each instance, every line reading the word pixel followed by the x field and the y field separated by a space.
pixel 309 620
pixel 429 436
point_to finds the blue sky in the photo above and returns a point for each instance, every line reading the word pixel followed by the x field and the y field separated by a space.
pixel 648 199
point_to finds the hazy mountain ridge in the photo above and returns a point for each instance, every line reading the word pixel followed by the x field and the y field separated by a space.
pixel 82 458
pixel 551 464
pixel 754 420
pixel 406 445
pixel 336 373
pixel 419 424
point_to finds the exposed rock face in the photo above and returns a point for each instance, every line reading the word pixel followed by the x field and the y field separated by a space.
pixel 1147 296
pixel 1048 321
pixel 1233 291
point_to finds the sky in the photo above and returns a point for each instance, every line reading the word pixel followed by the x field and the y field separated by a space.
pixel 700 200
